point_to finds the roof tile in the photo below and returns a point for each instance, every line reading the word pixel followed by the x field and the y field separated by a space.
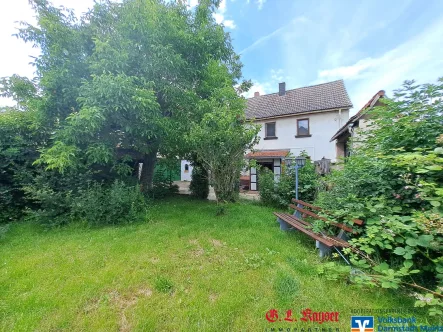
pixel 324 96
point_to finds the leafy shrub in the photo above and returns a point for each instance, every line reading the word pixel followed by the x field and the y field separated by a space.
pixel 279 193
pixel 199 186
pixel 82 199
pixel 393 180
pixel 51 194
pixel 19 142
pixel 162 185
pixel 100 205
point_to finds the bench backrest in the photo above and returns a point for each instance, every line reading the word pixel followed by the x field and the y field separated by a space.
pixel 305 209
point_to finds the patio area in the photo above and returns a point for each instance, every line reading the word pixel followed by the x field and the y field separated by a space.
pixel 183 187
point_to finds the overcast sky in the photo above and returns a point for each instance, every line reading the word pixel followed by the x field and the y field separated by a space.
pixel 372 45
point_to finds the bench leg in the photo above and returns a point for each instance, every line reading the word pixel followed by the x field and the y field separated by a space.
pixel 284 226
pixel 298 213
pixel 342 235
pixel 324 250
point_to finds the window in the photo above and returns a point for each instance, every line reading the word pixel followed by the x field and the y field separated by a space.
pixel 303 127
pixel 186 168
pixel 270 130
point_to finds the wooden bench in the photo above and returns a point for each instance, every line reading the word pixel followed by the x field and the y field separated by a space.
pixel 324 242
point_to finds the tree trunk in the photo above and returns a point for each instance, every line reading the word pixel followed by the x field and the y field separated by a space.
pixel 147 175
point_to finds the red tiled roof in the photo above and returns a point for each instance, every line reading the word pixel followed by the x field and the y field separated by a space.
pixel 268 154
pixel 359 114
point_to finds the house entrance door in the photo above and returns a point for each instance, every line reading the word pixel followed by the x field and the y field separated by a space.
pixel 265 164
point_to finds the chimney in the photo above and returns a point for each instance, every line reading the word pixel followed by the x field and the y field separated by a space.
pixel 281 89
pixel 256 94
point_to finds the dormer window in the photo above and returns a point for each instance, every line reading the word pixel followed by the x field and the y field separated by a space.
pixel 270 130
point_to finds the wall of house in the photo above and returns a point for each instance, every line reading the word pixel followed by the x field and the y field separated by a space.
pixel 364 124
pixel 322 126
pixel 186 170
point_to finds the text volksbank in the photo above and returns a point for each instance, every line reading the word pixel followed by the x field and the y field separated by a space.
pixel 396 320
pixel 394 324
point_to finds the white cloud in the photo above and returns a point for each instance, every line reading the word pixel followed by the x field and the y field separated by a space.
pixel 192 3
pixel 229 24
pixel 420 58
pixel 256 87
pixel 275 76
pixel 16 55
pixel 222 7
pixel 276 32
pixel 219 16
pixel 348 72
pixel 260 4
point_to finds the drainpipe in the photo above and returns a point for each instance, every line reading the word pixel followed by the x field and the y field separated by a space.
pixel 339 118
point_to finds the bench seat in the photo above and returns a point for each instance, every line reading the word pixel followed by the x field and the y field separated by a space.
pixel 324 242
pixel 303 226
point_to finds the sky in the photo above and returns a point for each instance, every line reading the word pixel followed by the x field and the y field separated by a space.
pixel 371 44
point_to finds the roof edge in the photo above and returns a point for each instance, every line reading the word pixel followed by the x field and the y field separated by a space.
pixel 360 113
pixel 302 87
pixel 302 113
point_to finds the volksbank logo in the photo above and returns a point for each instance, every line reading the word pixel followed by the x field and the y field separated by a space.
pixel 362 323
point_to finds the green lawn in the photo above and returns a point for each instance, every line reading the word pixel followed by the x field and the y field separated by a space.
pixel 183 269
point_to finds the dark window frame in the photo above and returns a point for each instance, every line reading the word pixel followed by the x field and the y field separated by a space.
pixel 298 127
pixel 275 130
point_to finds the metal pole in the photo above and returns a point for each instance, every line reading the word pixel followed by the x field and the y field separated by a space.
pixel 296 181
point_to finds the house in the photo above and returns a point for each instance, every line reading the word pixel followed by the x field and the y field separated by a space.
pixel 354 125
pixel 185 170
pixel 297 120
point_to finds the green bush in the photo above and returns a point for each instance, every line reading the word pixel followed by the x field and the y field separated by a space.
pixel 61 200
pixel 162 185
pixel 101 205
pixel 394 181
pixel 20 140
pixel 279 193
pixel 199 186
pixel 50 196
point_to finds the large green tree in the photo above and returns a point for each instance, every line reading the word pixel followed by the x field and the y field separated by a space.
pixel 123 82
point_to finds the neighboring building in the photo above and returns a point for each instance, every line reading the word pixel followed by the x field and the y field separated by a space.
pixel 356 123
pixel 297 120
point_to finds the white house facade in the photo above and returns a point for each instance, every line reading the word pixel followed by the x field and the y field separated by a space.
pixel 292 121
pixel 297 120
pixel 185 170
pixel 321 127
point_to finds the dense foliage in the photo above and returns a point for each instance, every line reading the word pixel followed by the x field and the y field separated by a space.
pixel 222 137
pixel 116 204
pixel 394 181
pixel 114 88
pixel 20 138
pixel 279 192
pixel 199 185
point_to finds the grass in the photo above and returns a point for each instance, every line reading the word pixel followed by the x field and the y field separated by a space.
pixel 183 269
